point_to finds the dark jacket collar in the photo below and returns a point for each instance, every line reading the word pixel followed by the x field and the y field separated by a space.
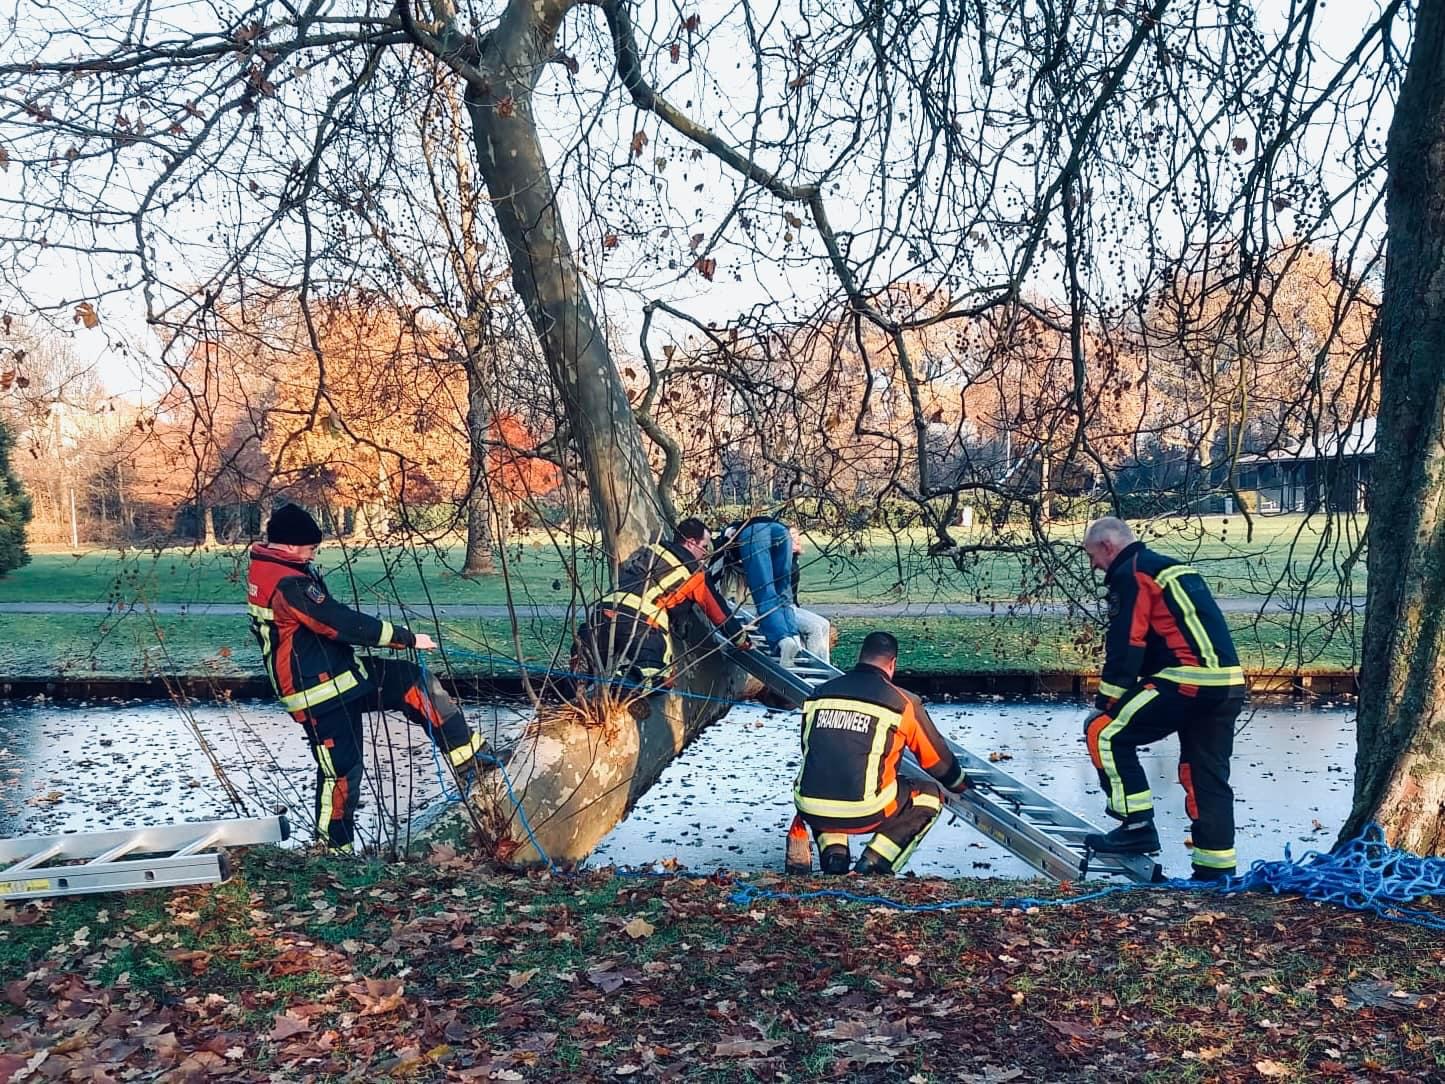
pixel 876 671
pixel 1125 555
pixel 675 548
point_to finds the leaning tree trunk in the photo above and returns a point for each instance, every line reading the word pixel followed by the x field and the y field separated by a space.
pixel 576 779
pixel 479 560
pixel 1400 760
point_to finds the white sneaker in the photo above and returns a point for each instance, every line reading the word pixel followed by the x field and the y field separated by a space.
pixel 788 648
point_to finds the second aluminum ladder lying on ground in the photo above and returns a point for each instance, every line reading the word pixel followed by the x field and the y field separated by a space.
pixel 1024 822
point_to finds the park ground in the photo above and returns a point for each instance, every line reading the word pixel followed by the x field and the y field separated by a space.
pixel 1278 566
pixel 304 969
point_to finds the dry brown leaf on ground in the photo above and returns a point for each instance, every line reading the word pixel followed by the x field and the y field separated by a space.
pixel 378 996
pixel 285 1026
pixel 1273 1070
pixel 639 928
pixel 735 1046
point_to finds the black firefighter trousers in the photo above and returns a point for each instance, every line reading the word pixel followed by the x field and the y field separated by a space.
pixel 334 732
pixel 1204 722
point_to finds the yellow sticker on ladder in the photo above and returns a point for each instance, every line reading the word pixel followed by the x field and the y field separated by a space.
pixel 8 888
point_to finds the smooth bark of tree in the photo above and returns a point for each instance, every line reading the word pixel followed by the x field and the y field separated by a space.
pixel 1400 757
pixel 576 779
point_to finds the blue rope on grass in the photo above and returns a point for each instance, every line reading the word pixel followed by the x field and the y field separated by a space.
pixel 1365 874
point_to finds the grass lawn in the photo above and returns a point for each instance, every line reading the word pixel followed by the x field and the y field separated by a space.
pixel 878 566
pixel 304 968
pixel 135 643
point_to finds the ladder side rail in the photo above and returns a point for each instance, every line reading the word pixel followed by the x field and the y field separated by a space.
pixel 159 839
pixel 117 877
pixel 24 861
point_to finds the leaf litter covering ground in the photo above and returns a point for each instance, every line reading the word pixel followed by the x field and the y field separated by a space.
pixel 301 969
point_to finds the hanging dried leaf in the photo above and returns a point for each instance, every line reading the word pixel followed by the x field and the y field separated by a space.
pixel 706 267
pixel 506 107
pixel 639 140
pixel 85 314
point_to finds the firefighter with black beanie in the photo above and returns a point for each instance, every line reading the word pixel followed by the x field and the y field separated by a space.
pixel 307 638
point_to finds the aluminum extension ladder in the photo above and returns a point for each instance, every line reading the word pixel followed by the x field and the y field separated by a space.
pixel 128 858
pixel 1042 833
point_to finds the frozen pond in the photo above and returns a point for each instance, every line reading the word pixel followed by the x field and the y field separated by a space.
pixel 89 766
pixel 725 803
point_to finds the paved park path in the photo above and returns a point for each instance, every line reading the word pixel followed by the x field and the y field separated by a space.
pixel 1324 604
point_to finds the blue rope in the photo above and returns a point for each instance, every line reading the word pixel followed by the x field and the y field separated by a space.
pixel 453 797
pixel 1365 874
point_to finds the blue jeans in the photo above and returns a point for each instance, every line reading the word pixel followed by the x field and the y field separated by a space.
pixel 766 551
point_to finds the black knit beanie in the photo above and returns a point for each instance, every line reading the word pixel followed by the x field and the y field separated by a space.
pixel 292 525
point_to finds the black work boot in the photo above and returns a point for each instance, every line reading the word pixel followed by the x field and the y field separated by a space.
pixel 1139 837
pixel 834 859
pixel 872 864
pixel 1211 873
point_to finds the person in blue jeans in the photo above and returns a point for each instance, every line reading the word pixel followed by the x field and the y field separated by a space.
pixel 765 551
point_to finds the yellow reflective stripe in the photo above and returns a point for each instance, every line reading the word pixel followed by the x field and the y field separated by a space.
pixel 1141 802
pixel 1214 859
pixel 885 847
pixel 1211 676
pixel 387 632
pixel 1118 801
pixel 345 848
pixel 466 751
pixel 832 839
pixel 260 613
pixel 902 859
pixel 267 663
pixel 677 572
pixel 928 801
pixel 320 694
pixel 1113 692
pixel 1169 579
pixel 648 608
pixel 831 807
pixel 328 791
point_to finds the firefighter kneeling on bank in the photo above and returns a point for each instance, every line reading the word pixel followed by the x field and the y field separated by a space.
pixel 306 637
pixel 855 728
pixel 628 632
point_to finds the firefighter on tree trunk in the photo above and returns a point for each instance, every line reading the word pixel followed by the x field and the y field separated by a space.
pixel 306 639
